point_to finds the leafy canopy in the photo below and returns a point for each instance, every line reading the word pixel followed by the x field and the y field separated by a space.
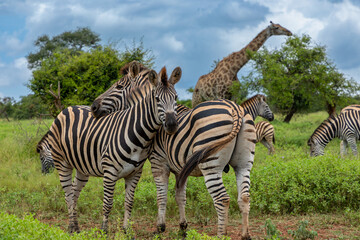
pixel 298 76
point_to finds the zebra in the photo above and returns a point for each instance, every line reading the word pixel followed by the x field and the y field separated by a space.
pixel 209 124
pixel 113 146
pixel 257 106
pixel 345 126
pixel 266 135
pixel 355 107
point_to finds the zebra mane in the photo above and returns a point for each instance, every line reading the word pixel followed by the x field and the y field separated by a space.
pixel 252 98
pixel 41 141
pixel 326 122
pixel 136 94
pixel 125 69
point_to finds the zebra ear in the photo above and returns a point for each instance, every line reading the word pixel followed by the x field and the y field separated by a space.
pixel 175 76
pixel 163 77
pixel 152 75
pixel 134 68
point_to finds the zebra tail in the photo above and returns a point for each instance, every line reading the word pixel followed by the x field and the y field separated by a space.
pixel 274 138
pixel 203 154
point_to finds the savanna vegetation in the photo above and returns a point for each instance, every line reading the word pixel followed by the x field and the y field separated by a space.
pixel 292 194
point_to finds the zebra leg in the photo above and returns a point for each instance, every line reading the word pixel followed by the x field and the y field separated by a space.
pixel 78 184
pixel 161 173
pixel 109 188
pixel 65 174
pixel 242 161
pixel 267 145
pixel 221 199
pixel 180 197
pixel 352 143
pixel 343 146
pixel 130 185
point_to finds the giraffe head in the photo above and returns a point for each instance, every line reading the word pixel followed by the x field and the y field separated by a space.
pixel 277 29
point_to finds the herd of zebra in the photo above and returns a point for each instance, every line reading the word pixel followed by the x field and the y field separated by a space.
pixel 138 118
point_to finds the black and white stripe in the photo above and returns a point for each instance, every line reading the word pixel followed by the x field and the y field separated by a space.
pixel 114 146
pixel 257 106
pixel 265 134
pixel 346 126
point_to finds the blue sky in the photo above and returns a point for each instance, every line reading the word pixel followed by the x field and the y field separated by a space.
pixel 187 33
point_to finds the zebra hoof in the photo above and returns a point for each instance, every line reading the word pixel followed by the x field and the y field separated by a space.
pixel 246 237
pixel 160 228
pixel 104 228
pixel 73 228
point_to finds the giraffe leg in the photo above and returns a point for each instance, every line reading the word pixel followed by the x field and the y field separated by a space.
pixel 130 185
pixel 161 173
pixel 78 184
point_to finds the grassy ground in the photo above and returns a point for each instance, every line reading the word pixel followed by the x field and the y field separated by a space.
pixel 287 188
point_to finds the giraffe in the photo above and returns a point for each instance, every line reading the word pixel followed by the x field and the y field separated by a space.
pixel 216 84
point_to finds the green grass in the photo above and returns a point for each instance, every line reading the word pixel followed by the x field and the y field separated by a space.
pixel 287 183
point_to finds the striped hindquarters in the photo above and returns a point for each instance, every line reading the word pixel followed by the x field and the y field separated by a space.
pixel 264 130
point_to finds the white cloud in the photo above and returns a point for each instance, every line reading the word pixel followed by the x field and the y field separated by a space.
pixel 14 73
pixel 172 43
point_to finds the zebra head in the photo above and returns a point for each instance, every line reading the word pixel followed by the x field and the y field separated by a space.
pixel 264 109
pixel 113 99
pixel 316 148
pixel 165 97
pixel 47 162
pixel 322 135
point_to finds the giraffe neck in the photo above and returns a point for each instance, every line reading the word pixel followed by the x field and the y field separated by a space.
pixel 236 60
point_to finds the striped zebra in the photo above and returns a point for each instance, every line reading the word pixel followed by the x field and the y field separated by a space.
pixel 346 126
pixel 266 135
pixel 215 125
pixel 354 107
pixel 113 146
pixel 257 106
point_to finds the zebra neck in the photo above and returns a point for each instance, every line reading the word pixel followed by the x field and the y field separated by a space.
pixel 251 109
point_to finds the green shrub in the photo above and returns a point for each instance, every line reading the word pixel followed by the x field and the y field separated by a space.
pixel 12 227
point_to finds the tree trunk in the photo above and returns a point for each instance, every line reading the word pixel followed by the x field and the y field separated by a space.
pixel 290 115
pixel 331 109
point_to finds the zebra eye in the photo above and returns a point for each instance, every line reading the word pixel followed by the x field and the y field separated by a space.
pixel 157 98
pixel 176 97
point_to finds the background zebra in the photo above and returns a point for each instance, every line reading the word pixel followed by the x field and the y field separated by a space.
pixel 346 126
pixel 207 124
pixel 265 134
pixel 257 106
pixel 114 146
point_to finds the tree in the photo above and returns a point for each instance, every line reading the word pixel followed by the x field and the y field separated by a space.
pixel 75 41
pixel 298 76
pixel 6 107
pixel 29 106
pixel 137 52
pixel 82 77
pixel 69 75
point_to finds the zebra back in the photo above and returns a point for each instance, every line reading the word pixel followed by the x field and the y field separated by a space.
pixel 264 130
pixel 354 107
pixel 257 106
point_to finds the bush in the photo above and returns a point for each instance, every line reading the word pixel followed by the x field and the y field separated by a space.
pixel 323 184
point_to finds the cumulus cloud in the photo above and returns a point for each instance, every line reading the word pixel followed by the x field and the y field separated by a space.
pixel 14 73
pixel 172 43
